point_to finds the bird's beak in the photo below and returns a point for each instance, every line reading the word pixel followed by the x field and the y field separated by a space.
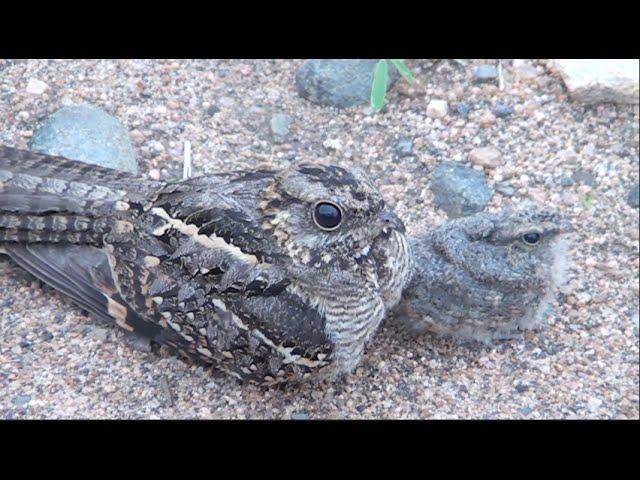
pixel 390 221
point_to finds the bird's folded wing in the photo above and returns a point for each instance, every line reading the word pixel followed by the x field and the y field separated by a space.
pixel 83 274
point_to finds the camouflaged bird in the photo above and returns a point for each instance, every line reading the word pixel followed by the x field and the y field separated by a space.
pixel 267 275
pixel 486 276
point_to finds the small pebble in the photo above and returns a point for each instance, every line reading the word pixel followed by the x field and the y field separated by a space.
pixel 437 109
pixel 505 189
pixel 488 157
pixel 485 73
pixel 280 124
pixel 486 120
pixel 502 111
pixel 36 87
pixel 404 147
pixel 584 177
pixel 332 144
pixel 567 181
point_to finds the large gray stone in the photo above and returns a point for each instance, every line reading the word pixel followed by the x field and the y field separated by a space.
pixel 459 190
pixel 87 134
pixel 338 83
pixel 600 81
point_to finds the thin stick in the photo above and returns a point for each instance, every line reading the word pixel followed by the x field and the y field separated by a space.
pixel 500 76
pixel 186 166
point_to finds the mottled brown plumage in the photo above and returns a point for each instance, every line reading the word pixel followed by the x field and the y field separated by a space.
pixel 243 270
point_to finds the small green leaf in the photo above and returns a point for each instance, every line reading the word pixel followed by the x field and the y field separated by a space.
pixel 379 86
pixel 403 69
pixel 460 61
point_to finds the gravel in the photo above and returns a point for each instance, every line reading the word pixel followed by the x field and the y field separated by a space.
pixel 588 350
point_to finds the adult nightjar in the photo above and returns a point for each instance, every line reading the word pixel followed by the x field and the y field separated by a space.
pixel 267 275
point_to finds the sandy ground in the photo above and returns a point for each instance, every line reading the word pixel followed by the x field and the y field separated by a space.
pixel 55 362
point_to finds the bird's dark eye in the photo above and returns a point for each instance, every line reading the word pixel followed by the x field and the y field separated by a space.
pixel 531 238
pixel 327 215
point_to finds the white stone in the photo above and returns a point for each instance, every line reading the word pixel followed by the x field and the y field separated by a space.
pixel 437 108
pixel 332 144
pixel 36 87
pixel 601 81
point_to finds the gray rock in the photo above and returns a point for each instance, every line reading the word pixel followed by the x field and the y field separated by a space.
pixel 404 147
pixel 505 189
pixel 485 74
pixel 280 124
pixel 459 190
pixel 567 181
pixel 526 410
pixel 87 134
pixel 584 177
pixel 502 111
pixel 633 198
pixel 338 83
pixel 600 81
pixel 21 400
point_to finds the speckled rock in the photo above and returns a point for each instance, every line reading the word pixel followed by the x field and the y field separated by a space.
pixel 338 83
pixel 459 190
pixel 88 134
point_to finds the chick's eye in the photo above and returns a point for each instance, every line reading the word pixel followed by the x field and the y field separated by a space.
pixel 327 215
pixel 531 238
